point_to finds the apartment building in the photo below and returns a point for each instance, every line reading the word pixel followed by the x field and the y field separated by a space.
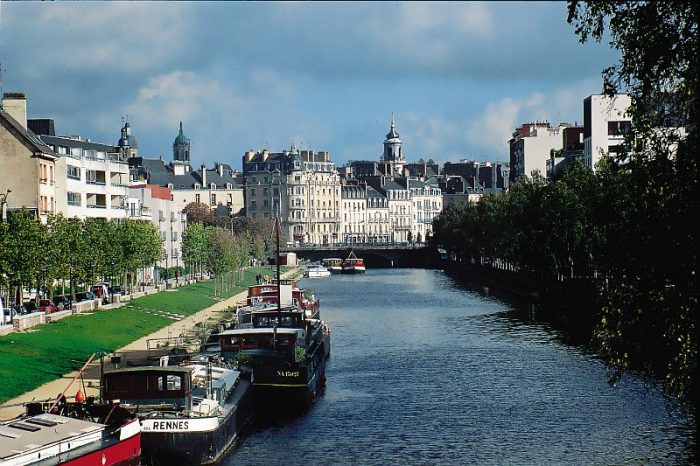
pixel 606 121
pixel 530 148
pixel 426 199
pixel 91 178
pixel 377 215
pixel 353 217
pixel 302 188
pixel 27 165
pixel 153 202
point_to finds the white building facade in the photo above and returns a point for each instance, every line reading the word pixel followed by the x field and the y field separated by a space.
pixel 606 121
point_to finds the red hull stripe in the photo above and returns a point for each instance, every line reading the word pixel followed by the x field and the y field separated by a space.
pixel 112 455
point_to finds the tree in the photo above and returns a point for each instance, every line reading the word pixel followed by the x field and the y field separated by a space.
pixel 198 213
pixel 27 246
pixel 650 310
pixel 194 246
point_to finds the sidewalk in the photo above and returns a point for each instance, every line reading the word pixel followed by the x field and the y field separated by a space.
pixel 15 407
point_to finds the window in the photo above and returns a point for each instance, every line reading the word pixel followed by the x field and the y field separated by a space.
pixel 73 172
pixel 213 199
pixel 618 128
pixel 196 198
pixel 252 192
pixel 73 198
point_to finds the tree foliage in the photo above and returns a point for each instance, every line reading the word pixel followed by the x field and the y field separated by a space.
pixel 649 246
pixel 40 256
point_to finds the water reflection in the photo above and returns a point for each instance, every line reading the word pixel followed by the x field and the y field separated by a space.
pixel 426 372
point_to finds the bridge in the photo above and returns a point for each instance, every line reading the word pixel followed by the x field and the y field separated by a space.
pixel 380 255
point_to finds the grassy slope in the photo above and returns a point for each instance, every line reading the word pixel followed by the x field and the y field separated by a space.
pixel 30 359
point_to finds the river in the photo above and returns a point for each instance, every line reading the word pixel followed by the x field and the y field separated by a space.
pixel 423 371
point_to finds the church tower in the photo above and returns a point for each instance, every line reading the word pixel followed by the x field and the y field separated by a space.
pixel 392 150
pixel 181 148
pixel 127 143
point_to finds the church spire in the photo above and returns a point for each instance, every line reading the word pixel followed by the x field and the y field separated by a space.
pixel 181 147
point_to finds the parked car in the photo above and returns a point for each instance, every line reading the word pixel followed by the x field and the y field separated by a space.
pixel 28 308
pixel 86 296
pixel 5 314
pixel 47 306
pixel 116 289
pixel 63 302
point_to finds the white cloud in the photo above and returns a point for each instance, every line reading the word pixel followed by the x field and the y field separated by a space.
pixel 125 36
pixel 493 129
pixel 495 126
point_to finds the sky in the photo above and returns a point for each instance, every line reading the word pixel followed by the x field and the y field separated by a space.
pixel 326 76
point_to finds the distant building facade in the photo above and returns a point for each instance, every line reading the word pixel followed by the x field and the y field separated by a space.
pixel 27 164
pixel 302 188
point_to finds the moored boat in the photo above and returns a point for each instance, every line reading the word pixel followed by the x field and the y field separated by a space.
pixel 288 295
pixel 49 439
pixel 353 264
pixel 190 414
pixel 333 264
pixel 316 271
pixel 285 350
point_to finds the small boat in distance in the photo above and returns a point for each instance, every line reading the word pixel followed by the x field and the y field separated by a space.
pixel 333 264
pixel 317 271
pixel 353 264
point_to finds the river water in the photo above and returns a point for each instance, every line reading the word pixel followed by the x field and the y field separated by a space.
pixel 423 371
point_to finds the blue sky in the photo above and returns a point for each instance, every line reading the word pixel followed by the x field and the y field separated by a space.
pixel 322 75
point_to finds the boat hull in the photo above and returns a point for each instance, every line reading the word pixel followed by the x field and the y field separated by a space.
pixel 118 453
pixel 354 269
pixel 197 441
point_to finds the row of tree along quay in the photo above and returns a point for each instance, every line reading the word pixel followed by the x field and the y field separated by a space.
pixel 69 252
pixel 616 248
pixel 67 255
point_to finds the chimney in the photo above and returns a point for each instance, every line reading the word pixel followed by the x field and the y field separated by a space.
pixel 15 104
pixel 220 168
pixel 249 155
pixel 204 176
pixel 265 154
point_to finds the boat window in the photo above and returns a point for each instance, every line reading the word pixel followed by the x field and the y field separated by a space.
pixel 141 383
pixel 174 382
pixel 118 384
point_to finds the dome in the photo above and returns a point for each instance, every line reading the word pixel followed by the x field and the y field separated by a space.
pixel 127 140
pixel 392 134
pixel 181 140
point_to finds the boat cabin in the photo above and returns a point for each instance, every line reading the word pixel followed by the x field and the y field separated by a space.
pixel 261 341
pixel 150 385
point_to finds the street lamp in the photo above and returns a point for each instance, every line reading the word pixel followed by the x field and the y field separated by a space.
pixel 3 201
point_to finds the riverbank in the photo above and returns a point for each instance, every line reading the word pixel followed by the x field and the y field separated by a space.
pixel 51 389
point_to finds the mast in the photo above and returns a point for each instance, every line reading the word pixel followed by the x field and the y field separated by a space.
pixel 279 285
pixel 277 262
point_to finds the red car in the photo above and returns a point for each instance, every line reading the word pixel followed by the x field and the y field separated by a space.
pixel 45 305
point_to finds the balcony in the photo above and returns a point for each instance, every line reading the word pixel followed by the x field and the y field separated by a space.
pixel 96 206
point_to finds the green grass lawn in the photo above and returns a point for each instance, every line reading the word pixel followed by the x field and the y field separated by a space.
pixel 30 359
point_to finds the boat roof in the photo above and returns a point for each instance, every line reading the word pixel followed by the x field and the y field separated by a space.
pixel 34 433
pixel 170 369
pixel 259 330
